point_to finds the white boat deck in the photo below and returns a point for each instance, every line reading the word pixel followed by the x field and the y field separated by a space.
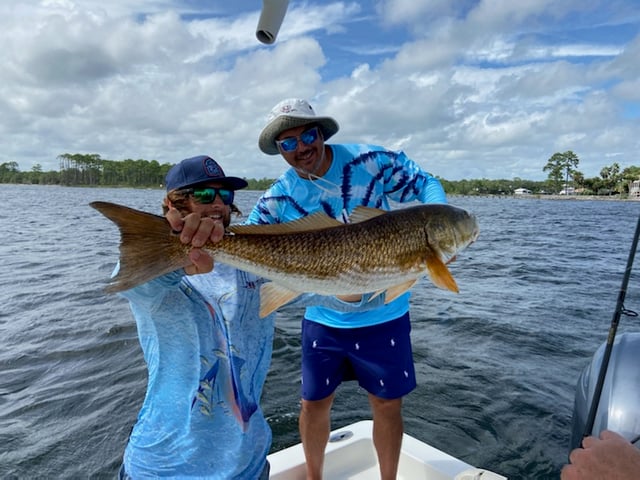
pixel 350 455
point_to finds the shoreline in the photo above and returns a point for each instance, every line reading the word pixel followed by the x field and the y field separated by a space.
pixel 527 196
pixel 534 196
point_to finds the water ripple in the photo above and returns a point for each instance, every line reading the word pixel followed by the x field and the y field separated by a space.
pixel 496 363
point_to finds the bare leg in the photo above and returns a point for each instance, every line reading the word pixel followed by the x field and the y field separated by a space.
pixel 315 426
pixel 387 434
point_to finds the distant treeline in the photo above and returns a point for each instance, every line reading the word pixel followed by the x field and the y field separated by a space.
pixel 78 170
pixel 92 171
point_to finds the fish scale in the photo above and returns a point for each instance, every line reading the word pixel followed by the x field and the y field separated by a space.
pixel 325 257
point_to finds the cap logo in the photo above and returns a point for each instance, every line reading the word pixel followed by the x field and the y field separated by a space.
pixel 212 168
pixel 286 109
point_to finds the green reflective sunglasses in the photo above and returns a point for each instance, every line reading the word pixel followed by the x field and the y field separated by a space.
pixel 208 194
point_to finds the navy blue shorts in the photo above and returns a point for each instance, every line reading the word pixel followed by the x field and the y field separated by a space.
pixel 379 357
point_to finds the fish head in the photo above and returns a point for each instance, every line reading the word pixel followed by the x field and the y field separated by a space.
pixel 450 229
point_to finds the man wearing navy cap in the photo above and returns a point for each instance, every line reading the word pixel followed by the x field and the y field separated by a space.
pixel 201 415
pixel 206 349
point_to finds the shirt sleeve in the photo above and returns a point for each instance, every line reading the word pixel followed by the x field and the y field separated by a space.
pixel 405 181
pixel 266 210
pixel 150 294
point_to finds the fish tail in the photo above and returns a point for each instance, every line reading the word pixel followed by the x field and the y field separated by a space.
pixel 148 249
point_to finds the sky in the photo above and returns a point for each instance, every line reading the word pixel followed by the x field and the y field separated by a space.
pixel 468 89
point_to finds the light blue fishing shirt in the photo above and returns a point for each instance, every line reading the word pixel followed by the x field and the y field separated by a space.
pixel 359 174
pixel 207 354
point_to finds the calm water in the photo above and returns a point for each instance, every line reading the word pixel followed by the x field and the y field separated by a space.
pixel 496 364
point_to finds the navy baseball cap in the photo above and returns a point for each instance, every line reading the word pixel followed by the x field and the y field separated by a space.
pixel 200 169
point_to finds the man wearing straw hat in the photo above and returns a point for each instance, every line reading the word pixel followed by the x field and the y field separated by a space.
pixel 374 346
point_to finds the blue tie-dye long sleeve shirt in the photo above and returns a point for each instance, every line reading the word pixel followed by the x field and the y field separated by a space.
pixel 359 174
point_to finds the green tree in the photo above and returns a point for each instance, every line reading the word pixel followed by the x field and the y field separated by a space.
pixel 259 184
pixel 9 172
pixel 611 178
pixel 35 175
pixel 629 175
pixel 559 165
pixel 578 178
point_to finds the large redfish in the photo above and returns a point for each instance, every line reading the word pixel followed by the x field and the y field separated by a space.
pixel 378 251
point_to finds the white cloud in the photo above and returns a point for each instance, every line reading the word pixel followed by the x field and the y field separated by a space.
pixel 473 89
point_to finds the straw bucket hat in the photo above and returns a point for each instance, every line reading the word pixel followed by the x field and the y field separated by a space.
pixel 292 113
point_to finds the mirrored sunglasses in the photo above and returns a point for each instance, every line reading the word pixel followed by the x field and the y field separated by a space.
pixel 208 194
pixel 307 137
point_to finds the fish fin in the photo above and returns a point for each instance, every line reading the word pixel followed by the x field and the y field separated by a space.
pixel 316 221
pixel 376 294
pixel 440 274
pixel 362 214
pixel 147 247
pixel 273 296
pixel 396 291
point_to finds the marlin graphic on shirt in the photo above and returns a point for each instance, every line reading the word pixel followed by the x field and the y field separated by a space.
pixel 223 377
